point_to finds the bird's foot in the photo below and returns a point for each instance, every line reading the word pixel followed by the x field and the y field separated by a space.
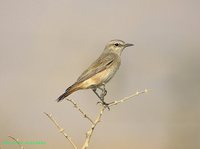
pixel 105 104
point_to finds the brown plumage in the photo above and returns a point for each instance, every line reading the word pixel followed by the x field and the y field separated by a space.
pixel 68 91
pixel 101 70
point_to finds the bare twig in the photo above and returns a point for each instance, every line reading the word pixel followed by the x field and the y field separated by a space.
pixel 94 123
pixel 61 130
pixel 17 141
pixel 127 98
pixel 98 119
pixel 79 109
pixel 91 130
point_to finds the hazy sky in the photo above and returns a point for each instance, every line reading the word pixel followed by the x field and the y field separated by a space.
pixel 45 45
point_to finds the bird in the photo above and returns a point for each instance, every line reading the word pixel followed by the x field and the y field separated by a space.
pixel 100 72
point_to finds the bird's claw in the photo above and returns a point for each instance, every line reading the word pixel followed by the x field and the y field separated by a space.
pixel 106 105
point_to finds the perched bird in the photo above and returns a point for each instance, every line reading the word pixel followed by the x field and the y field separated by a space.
pixel 100 71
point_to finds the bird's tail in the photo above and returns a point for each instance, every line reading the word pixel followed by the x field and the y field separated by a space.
pixel 69 91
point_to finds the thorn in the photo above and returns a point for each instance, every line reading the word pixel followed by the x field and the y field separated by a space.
pixel 62 130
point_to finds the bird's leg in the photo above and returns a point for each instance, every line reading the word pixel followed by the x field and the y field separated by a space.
pixel 102 95
pixel 95 91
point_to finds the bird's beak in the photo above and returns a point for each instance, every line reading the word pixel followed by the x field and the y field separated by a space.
pixel 129 44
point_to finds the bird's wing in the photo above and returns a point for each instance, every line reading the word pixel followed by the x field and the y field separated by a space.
pixel 103 62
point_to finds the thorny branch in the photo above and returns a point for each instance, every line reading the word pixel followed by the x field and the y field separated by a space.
pixel 127 98
pixel 91 130
pixel 61 130
pixel 79 109
pixel 94 123
pixel 98 119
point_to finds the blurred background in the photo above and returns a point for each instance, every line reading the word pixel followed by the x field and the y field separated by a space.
pixel 45 45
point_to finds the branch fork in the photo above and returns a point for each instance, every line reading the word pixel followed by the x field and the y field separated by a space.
pixel 94 122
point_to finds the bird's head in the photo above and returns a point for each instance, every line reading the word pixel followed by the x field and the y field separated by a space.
pixel 116 46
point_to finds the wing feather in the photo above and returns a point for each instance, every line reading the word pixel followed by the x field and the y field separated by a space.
pixel 103 62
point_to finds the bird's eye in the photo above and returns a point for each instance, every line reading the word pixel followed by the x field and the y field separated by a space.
pixel 116 44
